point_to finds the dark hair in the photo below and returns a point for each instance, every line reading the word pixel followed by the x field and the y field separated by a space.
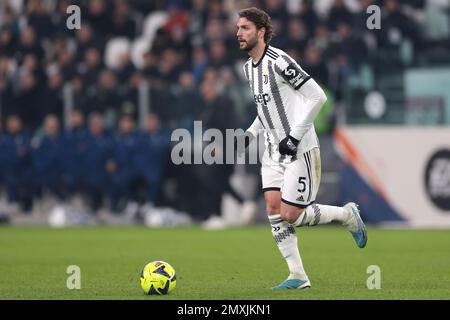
pixel 261 20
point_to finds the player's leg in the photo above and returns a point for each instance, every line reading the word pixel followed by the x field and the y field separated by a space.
pixel 284 234
pixel 286 239
pixel 301 184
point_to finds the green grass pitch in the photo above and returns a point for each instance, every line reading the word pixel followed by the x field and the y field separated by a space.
pixel 241 263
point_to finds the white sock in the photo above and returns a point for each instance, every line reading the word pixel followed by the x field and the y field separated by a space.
pixel 286 240
pixel 315 214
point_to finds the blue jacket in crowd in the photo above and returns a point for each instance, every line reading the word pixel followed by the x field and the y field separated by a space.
pixel 17 164
pixel 126 150
pixel 153 155
pixel 98 150
pixel 48 162
pixel 74 151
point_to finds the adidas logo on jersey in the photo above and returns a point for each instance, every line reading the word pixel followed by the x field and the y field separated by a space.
pixel 300 198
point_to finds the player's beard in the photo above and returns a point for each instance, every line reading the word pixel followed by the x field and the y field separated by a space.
pixel 250 44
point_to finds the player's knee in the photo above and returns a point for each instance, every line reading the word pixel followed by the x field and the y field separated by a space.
pixel 291 214
pixel 273 207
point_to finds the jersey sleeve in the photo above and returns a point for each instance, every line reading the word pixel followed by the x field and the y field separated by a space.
pixel 315 98
pixel 291 72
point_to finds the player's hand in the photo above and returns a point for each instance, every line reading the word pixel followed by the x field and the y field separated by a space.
pixel 288 146
pixel 241 142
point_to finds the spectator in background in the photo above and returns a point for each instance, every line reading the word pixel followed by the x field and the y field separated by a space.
pixel 27 100
pixel 217 112
pixel 146 7
pixel 314 65
pixel 66 64
pixel 161 41
pixel 30 63
pixel 123 24
pixel 98 17
pixel 279 16
pixel 79 93
pixel 396 27
pixel 349 49
pixel 90 68
pixel 339 13
pixel 3 155
pixel 130 92
pixel 6 95
pixel 308 16
pixel 347 53
pixel 104 97
pixel 198 15
pixel 47 156
pixel 18 164
pixel 57 45
pixel 150 69
pixel 199 63
pixel 29 44
pixel 152 157
pixel 214 31
pixel 53 99
pixel 169 66
pixel 276 9
pixel 185 102
pixel 216 10
pixel 86 39
pixel 75 148
pixel 39 19
pixel 125 69
pixel 321 39
pixel 297 34
pixel 128 80
pixel 7 42
pixel 218 55
pixel 121 167
pixel 99 149
pixel 177 29
pixel 10 21
pixel 360 17
pixel 59 19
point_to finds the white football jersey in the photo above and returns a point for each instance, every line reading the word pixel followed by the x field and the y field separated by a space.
pixel 274 81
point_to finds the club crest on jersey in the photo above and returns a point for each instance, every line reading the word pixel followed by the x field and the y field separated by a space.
pixel 266 78
pixel 262 98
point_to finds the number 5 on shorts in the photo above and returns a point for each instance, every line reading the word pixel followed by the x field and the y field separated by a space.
pixel 302 183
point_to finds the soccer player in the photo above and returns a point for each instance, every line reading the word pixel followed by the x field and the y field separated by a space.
pixel 287 101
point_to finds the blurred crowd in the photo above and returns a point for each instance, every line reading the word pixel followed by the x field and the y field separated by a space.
pixel 104 167
pixel 191 68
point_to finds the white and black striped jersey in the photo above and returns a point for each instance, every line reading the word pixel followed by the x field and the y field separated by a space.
pixel 275 82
